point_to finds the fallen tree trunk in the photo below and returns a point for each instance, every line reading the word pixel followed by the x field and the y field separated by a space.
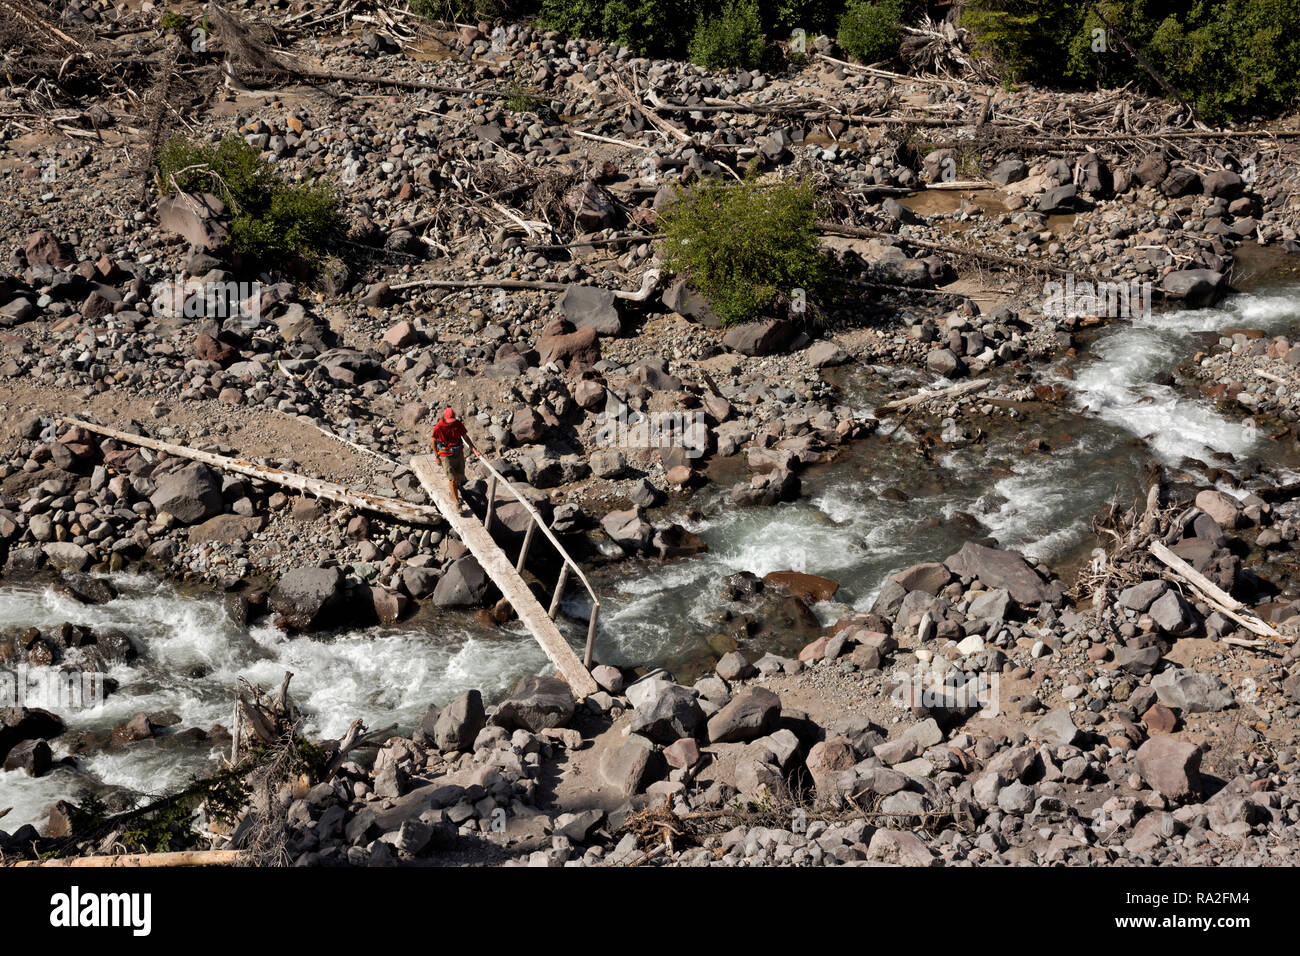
pixel 403 511
pixel 952 391
pixel 862 232
pixel 1216 597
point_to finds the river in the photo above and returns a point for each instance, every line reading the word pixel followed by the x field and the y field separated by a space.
pixel 1121 413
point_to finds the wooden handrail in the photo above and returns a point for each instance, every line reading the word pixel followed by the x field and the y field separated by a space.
pixel 499 479
pixel 541 523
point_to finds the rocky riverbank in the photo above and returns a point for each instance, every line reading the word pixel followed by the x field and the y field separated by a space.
pixel 1121 731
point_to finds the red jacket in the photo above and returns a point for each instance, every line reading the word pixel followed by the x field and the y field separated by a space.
pixel 447 437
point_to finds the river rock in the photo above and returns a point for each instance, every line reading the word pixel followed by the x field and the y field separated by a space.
pixel 1057 728
pixel 762 337
pixel 460 722
pixel 32 756
pixel 628 529
pixel 631 766
pixel 1174 615
pixel 464 584
pixel 308 599
pixel 930 577
pixel 1139 597
pixel 807 587
pixel 1192 692
pixel 990 606
pixel 750 715
pixel 22 723
pixel 674 712
pixel 901 847
pixel 1224 509
pixel 1137 660
pixel 824 354
pixel 537 703
pixel 1196 287
pixel 733 666
pixel 200 219
pixel 589 307
pixel 995 568
pixel 190 494
pixel 1171 767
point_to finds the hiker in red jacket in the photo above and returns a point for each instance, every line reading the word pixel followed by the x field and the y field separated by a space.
pixel 449 439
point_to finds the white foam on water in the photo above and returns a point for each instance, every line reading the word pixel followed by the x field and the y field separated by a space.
pixel 380 675
pixel 1117 385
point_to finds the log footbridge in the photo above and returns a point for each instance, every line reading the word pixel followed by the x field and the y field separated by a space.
pixel 476 536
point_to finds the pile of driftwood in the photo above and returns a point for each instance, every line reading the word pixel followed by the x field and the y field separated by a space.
pixel 268 755
pixel 1140 550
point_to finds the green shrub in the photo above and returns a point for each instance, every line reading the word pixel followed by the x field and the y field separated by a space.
pixel 745 246
pixel 521 94
pixel 869 31
pixel 732 39
pixel 271 220
pixel 654 27
pixel 172 20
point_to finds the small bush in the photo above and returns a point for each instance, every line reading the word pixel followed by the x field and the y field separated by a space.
pixel 869 31
pixel 171 20
pixel 521 94
pixel 271 220
pixel 731 39
pixel 745 246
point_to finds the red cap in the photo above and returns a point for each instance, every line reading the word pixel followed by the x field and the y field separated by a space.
pixel 449 415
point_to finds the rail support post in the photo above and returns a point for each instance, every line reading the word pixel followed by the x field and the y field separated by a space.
pixel 559 591
pixel 523 551
pixel 591 635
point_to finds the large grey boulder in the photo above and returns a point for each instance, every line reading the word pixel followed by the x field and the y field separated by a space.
pixel 628 529
pixel 589 307
pixel 460 722
pixel 824 354
pixel 1192 692
pixel 1139 597
pixel 1057 728
pixel 200 219
pixel 1196 287
pixel 929 577
pixel 1058 199
pixel 190 494
pixel 748 716
pixel 762 337
pixel 631 766
pixel 995 568
pixel 1009 171
pixel 991 605
pixel 464 584
pixel 674 712
pixel 1174 615
pixel 537 703
pixel 18 724
pixel 308 599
